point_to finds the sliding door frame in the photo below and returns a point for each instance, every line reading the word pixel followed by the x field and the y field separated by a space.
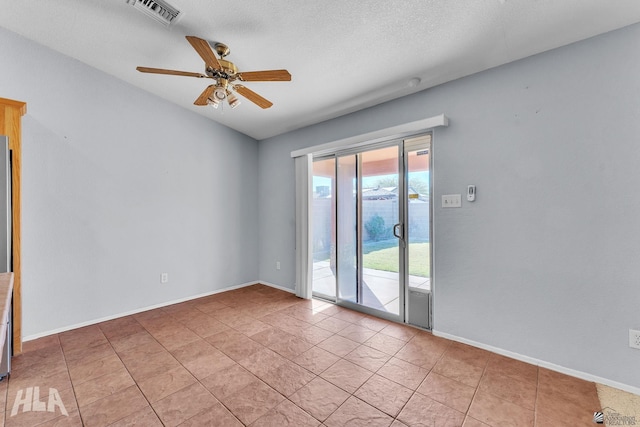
pixel 362 143
pixel 411 144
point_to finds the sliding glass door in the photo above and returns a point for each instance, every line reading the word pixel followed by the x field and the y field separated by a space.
pixel 364 255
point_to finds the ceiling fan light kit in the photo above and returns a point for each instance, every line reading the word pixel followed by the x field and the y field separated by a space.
pixel 219 94
pixel 233 100
pixel 225 74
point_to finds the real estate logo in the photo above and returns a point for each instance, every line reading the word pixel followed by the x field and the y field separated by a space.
pixel 612 418
pixel 29 399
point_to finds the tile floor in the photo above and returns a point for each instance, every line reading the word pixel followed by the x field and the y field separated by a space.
pixel 262 357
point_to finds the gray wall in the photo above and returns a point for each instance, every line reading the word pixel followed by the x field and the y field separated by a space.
pixel 119 186
pixel 544 263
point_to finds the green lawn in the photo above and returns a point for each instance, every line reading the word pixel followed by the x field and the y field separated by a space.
pixel 383 256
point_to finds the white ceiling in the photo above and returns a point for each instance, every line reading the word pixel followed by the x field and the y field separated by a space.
pixel 343 55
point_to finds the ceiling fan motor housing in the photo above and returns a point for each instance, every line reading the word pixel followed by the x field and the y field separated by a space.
pixel 227 71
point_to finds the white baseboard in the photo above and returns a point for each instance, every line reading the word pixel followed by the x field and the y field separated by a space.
pixel 140 310
pixel 273 285
pixel 542 363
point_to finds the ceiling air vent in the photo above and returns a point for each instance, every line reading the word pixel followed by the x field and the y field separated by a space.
pixel 159 10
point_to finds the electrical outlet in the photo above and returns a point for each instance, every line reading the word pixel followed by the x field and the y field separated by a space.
pixel 634 339
pixel 164 278
pixel 277 265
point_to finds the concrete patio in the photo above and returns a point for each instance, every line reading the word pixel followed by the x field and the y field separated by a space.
pixel 379 288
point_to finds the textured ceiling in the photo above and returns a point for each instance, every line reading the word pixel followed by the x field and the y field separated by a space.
pixel 343 55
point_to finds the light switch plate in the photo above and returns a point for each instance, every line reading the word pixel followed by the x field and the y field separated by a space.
pixel 451 200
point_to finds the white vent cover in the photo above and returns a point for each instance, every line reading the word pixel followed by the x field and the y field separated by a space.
pixel 159 10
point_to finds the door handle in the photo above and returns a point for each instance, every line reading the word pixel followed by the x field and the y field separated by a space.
pixel 397 231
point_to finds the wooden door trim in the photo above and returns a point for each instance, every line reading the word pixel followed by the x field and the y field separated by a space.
pixel 11 113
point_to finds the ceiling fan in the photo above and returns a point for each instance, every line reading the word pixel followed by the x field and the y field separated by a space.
pixel 225 75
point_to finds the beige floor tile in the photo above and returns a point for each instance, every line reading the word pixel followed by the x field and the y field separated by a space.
pixel 106 385
pixel 420 354
pixel 459 370
pixel 82 338
pixel 319 398
pixel 454 394
pixel 357 333
pixel 229 381
pixel 114 407
pixel 338 345
pixel 145 417
pixel 495 411
pixel 286 414
pixel 403 373
pixel 356 413
pixel 291 347
pixel 384 394
pixel 253 401
pixel 422 411
pixel 166 383
pixel 262 361
pixel 288 378
pixel 510 389
pixel 144 365
pixel 120 327
pixel 82 355
pixel 58 380
pixel 316 360
pixel 184 404
pixel 128 342
pixel 368 358
pixel 401 332
pixel 253 327
pixel 313 334
pixel 40 343
pixel 333 324
pixel 516 369
pixel 217 415
pixel 88 371
pixel 471 422
pixel 385 343
pixel 346 375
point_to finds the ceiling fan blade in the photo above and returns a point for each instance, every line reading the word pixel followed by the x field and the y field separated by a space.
pixel 172 72
pixel 252 96
pixel 204 50
pixel 265 76
pixel 204 96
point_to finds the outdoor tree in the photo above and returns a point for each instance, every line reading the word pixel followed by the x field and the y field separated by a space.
pixel 418 184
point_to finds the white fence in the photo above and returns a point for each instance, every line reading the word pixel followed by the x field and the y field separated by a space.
pixel 386 209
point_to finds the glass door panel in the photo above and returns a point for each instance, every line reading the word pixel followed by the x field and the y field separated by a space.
pixel 418 238
pixel 369 206
pixel 324 228
pixel 381 202
pixel 348 228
